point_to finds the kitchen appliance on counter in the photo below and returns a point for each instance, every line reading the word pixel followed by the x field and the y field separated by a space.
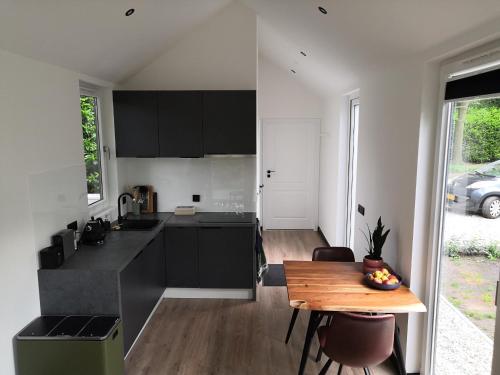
pixel 51 257
pixel 66 240
pixel 94 232
pixel 76 345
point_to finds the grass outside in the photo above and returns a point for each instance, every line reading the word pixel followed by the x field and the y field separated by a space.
pixel 469 283
pixel 455 170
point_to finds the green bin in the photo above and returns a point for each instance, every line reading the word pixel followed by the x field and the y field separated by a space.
pixel 70 345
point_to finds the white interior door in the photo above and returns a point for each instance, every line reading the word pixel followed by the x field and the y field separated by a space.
pixel 290 173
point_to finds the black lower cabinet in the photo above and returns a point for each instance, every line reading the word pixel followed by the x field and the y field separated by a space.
pixel 182 257
pixel 226 257
pixel 141 285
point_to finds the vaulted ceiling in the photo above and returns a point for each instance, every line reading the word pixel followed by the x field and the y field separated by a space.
pixel 94 36
pixel 357 34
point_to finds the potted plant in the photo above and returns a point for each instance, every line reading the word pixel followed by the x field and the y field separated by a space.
pixel 376 239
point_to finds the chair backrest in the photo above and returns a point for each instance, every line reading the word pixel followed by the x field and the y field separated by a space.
pixel 333 254
pixel 357 340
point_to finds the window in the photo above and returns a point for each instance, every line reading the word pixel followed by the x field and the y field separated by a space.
pixel 89 106
pixel 351 168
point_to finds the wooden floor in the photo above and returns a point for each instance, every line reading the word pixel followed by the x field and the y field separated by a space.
pixel 231 337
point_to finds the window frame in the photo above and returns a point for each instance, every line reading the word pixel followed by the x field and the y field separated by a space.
pixel 103 152
pixel 449 70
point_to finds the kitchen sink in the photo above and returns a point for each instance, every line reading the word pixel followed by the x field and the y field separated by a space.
pixel 139 224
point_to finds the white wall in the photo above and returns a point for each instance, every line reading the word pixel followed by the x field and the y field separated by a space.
pixel 282 95
pixel 40 148
pixel 219 54
pixel 387 156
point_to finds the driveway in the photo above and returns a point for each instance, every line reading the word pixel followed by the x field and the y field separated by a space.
pixel 466 227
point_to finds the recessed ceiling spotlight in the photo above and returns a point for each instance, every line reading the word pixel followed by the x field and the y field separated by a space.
pixel 322 10
pixel 129 12
pixel 303 53
pixel 293 71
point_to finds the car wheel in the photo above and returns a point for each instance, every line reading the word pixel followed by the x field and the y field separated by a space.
pixel 491 208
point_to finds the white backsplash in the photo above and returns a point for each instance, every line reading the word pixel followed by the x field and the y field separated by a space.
pixel 224 183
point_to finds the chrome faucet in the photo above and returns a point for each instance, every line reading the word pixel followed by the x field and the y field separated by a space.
pixel 120 218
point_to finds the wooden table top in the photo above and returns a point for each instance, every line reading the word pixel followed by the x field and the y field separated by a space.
pixel 339 286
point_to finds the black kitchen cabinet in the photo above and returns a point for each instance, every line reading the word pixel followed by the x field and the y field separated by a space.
pixel 182 257
pixel 180 123
pixel 226 257
pixel 229 122
pixel 184 123
pixel 136 123
pixel 141 286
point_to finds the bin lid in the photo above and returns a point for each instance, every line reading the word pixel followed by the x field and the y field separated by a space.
pixel 99 327
pixel 70 326
pixel 41 326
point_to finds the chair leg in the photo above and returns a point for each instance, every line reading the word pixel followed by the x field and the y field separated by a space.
pixel 329 321
pixel 318 356
pixel 292 323
pixel 326 367
pixel 340 368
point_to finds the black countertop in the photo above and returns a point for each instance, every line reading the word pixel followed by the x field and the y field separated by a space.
pixel 120 247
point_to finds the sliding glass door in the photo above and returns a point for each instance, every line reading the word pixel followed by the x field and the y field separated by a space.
pixel 469 260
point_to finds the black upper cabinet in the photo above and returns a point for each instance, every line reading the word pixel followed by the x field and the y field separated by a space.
pixel 136 123
pixel 184 123
pixel 180 121
pixel 229 122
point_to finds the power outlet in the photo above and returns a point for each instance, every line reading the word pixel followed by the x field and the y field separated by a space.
pixel 361 209
pixel 196 197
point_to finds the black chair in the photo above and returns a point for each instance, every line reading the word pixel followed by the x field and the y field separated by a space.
pixel 323 254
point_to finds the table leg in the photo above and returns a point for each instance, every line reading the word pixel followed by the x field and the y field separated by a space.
pixel 311 329
pixel 398 357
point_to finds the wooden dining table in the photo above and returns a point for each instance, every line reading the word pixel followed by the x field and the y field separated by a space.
pixel 339 286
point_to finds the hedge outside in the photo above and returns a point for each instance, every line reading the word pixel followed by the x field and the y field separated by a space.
pixel 482 132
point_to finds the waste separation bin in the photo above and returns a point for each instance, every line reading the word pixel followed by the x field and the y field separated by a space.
pixel 70 345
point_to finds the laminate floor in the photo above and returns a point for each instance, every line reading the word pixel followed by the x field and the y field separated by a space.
pixel 233 337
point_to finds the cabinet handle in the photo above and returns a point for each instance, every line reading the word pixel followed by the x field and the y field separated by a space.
pixel 211 227
pixel 138 255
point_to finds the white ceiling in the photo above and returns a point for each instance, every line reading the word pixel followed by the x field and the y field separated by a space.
pixel 94 37
pixel 356 34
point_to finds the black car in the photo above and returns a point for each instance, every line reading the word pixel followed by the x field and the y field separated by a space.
pixel 478 191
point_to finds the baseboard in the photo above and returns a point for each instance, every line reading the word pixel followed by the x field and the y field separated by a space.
pixel 209 293
pixel 323 236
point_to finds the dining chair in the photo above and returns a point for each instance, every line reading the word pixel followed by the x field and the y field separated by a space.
pixel 323 254
pixel 357 340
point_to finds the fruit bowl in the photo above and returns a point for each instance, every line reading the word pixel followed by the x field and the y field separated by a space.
pixel 371 281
